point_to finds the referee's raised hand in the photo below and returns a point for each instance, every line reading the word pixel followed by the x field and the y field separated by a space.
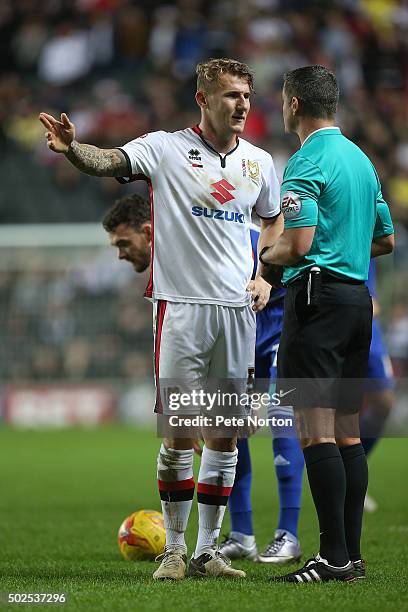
pixel 59 134
pixel 260 292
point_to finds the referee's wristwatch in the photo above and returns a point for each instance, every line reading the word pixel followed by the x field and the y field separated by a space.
pixel 262 252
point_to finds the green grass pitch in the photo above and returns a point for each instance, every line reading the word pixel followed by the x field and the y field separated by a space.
pixel 63 495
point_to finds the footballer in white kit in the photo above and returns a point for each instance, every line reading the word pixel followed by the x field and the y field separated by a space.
pixel 204 183
pixel 201 203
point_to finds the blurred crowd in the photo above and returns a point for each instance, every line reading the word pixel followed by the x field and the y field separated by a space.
pixel 120 68
pixel 88 322
pixel 124 67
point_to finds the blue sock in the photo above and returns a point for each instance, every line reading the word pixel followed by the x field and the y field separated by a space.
pixel 289 466
pixel 239 503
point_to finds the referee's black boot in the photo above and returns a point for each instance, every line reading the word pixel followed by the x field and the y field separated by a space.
pixel 359 569
pixel 318 570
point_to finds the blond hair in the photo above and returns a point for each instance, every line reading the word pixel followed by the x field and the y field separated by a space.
pixel 210 72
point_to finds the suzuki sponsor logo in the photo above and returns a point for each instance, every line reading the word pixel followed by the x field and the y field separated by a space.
pixel 220 215
pixel 222 193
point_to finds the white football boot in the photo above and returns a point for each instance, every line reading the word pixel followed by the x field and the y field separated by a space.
pixel 213 564
pixel 173 564
pixel 233 548
pixel 283 549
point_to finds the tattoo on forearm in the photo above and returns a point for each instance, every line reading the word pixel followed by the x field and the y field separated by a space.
pixel 95 161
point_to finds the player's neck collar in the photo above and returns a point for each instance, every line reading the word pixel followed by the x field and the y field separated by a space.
pixel 197 130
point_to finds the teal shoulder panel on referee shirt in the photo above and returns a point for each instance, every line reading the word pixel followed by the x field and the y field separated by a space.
pixel 331 184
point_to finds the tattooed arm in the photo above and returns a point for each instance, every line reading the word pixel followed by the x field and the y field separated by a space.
pixel 95 161
pixel 87 158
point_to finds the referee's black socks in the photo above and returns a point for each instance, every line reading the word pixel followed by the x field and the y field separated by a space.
pixel 327 480
pixel 355 465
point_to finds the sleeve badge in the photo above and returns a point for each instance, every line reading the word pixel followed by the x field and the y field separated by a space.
pixel 291 205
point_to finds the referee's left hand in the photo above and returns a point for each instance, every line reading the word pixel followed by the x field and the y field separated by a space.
pixel 260 291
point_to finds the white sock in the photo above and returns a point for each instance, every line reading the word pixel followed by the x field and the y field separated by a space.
pixel 215 481
pixel 176 487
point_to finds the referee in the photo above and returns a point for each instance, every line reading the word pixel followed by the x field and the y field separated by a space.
pixel 335 220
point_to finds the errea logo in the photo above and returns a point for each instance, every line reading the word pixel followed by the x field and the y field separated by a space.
pixel 194 154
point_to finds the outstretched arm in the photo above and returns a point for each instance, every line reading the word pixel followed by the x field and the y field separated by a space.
pixel 95 161
pixel 87 158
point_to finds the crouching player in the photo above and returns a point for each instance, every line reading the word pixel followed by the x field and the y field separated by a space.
pixel 288 457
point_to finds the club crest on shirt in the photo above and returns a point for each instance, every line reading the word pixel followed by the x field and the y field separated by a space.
pixel 253 168
pixel 291 205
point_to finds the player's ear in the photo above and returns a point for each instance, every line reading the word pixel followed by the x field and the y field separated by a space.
pixel 147 231
pixel 294 103
pixel 201 99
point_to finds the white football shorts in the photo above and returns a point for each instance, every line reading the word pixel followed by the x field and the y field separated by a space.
pixel 202 344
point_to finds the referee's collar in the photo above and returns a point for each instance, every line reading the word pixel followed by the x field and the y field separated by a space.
pixel 324 129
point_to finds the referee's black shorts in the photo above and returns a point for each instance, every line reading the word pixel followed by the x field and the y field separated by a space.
pixel 323 352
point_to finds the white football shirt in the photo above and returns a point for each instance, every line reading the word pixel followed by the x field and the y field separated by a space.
pixel 201 205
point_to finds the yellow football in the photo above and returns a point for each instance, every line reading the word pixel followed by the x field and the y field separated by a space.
pixel 142 535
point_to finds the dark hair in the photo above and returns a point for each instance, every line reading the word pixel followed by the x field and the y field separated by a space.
pixel 131 210
pixel 317 89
